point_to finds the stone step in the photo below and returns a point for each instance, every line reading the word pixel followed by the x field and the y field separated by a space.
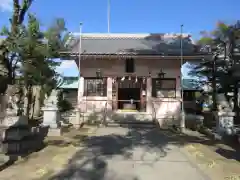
pixel 129 117
pixel 132 124
pixel 99 117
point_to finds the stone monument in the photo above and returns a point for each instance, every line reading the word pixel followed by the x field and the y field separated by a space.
pixel 225 116
pixel 11 114
pixel 51 115
pixel 14 126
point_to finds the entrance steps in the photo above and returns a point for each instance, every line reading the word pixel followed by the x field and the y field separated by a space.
pixel 132 124
pixel 131 119
pixel 120 116
pixel 141 119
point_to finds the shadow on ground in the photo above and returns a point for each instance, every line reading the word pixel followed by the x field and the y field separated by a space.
pixel 229 154
pixel 91 162
pixel 31 141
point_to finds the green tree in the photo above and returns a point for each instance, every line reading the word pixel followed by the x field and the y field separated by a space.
pixel 8 55
pixel 219 69
pixel 38 50
pixel 34 52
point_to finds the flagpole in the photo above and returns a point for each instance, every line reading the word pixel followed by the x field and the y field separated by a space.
pixel 79 59
pixel 182 124
pixel 78 113
pixel 108 16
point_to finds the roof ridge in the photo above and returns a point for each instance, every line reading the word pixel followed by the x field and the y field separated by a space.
pixel 128 35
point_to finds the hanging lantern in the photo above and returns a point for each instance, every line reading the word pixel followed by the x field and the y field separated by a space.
pixel 161 74
pixel 98 73
pixel 123 78
pixel 129 78
pixel 136 79
pixel 144 80
pixel 149 74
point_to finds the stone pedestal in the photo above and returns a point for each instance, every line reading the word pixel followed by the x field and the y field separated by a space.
pixel 51 118
pixel 225 123
pixel 78 120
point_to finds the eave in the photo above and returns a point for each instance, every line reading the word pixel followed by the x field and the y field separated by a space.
pixel 197 57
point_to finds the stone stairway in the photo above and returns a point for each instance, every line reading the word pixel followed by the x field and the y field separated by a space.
pixel 133 119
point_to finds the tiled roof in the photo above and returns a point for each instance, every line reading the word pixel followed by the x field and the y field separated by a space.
pixel 69 83
pixel 137 44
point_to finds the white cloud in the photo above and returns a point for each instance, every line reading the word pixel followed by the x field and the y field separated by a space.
pixel 5 5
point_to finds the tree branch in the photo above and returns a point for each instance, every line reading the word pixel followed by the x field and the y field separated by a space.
pixel 16 9
pixel 24 8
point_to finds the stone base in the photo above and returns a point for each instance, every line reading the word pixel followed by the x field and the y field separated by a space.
pixel 54 132
pixel 77 121
pixel 51 117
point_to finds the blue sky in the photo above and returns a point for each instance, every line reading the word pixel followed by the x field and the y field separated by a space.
pixel 133 16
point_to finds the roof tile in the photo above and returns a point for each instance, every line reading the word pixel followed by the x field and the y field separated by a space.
pixel 139 44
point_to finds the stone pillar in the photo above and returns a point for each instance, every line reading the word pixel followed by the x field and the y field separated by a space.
pixel 149 108
pixel 79 120
pixel 109 90
pixel 80 89
pixel 109 97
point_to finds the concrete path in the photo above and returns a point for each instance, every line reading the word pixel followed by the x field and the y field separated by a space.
pixel 130 154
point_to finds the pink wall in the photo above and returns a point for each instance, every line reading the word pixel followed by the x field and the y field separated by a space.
pixel 116 66
pixel 162 108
